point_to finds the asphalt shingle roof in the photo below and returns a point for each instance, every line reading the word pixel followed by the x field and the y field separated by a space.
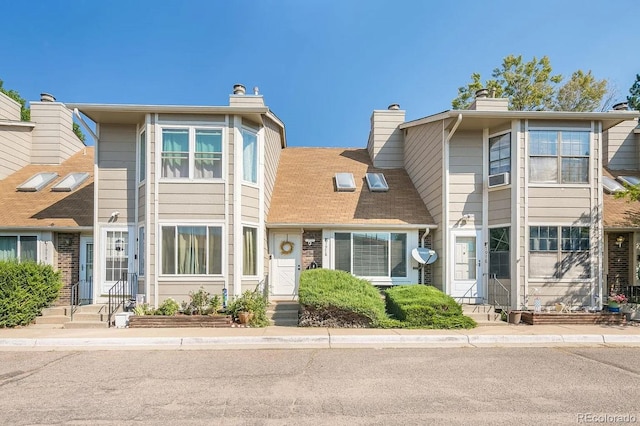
pixel 46 208
pixel 619 212
pixel 305 191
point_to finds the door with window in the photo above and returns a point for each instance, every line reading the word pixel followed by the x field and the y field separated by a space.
pixel 86 271
pixel 286 265
pixel 116 257
pixel 466 266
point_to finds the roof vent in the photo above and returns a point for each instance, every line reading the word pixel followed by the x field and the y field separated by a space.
pixel 46 97
pixel 482 93
pixel 239 89
pixel 394 107
pixel 256 90
pixel 621 106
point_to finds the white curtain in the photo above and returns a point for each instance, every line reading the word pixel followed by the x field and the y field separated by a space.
pixel 250 157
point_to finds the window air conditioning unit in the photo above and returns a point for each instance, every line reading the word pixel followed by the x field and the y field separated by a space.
pixel 499 179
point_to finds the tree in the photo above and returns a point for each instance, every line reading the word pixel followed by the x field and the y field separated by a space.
pixel 531 86
pixel 581 93
pixel 25 113
pixel 634 91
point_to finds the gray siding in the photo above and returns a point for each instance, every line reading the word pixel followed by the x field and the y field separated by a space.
pixel 9 109
pixel 423 162
pixel 53 137
pixel 250 204
pixel 142 205
pixel 191 201
pixel 15 149
pixel 272 150
pixel 386 140
pixel 179 291
pixel 620 146
pixel 117 177
pixel 499 206
pixel 190 118
pixel 465 176
pixel 559 205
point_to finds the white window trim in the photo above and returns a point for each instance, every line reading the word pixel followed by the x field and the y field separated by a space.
pixel 191 277
pixel 558 157
pixel 248 183
pixel 138 153
pixel 493 135
pixel 377 279
pixel 140 261
pixel 192 128
pixel 258 251
pixel 103 252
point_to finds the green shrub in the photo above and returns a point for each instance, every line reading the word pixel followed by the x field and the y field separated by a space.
pixel 338 290
pixel 25 289
pixel 169 307
pixel 253 302
pixel 426 307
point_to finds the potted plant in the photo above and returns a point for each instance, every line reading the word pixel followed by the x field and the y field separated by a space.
pixel 249 309
pixel 614 302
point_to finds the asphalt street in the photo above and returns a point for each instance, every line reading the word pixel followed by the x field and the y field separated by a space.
pixel 321 386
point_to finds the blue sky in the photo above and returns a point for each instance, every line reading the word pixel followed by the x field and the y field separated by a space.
pixel 322 66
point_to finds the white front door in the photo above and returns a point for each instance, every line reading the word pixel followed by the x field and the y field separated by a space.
pixel 285 265
pixel 86 271
pixel 466 268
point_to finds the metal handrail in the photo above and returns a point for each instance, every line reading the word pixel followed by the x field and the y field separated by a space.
pixel 465 294
pixel 495 303
pixel 75 298
pixel 118 294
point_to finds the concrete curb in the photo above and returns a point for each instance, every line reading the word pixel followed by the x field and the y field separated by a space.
pixel 317 341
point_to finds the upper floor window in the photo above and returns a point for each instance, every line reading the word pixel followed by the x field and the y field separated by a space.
pixel 249 156
pixel 22 248
pixel 559 156
pixel 500 154
pixel 142 157
pixel 194 153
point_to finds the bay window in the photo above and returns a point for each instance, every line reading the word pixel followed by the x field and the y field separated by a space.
pixel 559 156
pixel 249 156
pixel 371 254
pixel 191 250
pixel 191 153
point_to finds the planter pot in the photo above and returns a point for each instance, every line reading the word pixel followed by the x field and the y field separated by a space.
pixel 245 317
pixel 515 317
pixel 613 307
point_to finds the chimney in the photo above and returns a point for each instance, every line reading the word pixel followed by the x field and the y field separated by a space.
pixel 485 103
pixel 621 106
pixel 386 140
pixel 47 97
pixel 239 89
pixel 239 97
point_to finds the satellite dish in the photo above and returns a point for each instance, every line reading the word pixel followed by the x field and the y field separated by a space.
pixel 424 256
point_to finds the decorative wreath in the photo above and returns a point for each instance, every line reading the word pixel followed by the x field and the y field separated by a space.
pixel 286 247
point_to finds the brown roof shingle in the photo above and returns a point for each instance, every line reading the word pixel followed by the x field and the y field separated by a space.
pixel 619 212
pixel 305 191
pixel 45 208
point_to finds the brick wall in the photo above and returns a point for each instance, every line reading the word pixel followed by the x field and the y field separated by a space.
pixel 68 247
pixel 312 253
pixel 618 272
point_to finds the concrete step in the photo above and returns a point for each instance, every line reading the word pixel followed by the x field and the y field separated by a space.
pixel 84 316
pixel 476 309
pixel 484 316
pixel 47 326
pixel 283 313
pixel 93 309
pixel 52 319
pixel 56 310
pixel 86 324
pixel 285 322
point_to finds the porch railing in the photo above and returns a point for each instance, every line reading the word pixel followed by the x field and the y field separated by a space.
pixel 81 294
pixel 499 294
pixel 122 295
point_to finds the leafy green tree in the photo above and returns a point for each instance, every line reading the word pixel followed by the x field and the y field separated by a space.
pixel 78 132
pixel 531 86
pixel 581 93
pixel 634 94
pixel 25 113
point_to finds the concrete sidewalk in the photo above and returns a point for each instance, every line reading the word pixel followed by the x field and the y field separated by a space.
pixel 297 337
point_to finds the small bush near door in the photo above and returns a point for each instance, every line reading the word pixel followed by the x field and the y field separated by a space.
pixel 425 307
pixel 25 289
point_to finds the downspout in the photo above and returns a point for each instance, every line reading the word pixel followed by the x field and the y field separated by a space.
pixel 445 209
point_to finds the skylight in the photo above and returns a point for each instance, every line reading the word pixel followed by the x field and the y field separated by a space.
pixel 37 182
pixel 629 180
pixel 345 182
pixel 610 185
pixel 377 182
pixel 70 182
